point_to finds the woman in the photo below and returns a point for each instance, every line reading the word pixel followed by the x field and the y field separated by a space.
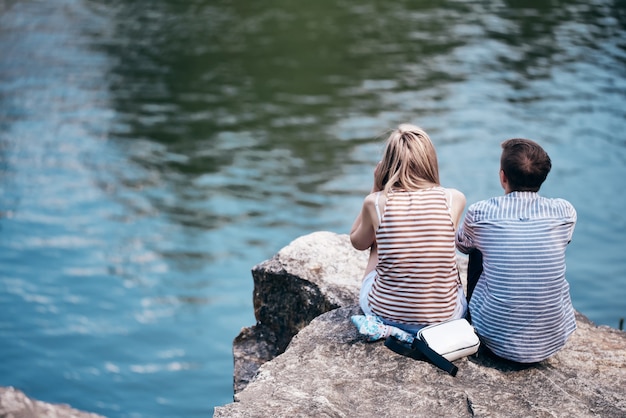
pixel 409 222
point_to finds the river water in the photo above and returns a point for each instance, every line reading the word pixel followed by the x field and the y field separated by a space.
pixel 152 152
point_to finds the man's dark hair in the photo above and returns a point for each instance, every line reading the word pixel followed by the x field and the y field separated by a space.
pixel 525 164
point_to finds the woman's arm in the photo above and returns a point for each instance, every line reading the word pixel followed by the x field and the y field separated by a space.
pixel 362 234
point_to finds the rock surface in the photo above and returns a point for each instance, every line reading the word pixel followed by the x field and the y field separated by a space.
pixel 328 370
pixel 314 274
pixel 15 404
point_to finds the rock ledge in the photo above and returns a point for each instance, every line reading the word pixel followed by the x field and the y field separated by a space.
pixel 15 404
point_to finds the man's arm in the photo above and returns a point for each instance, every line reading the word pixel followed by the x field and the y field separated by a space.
pixel 465 234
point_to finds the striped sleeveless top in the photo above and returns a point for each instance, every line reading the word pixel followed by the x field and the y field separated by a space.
pixel 416 275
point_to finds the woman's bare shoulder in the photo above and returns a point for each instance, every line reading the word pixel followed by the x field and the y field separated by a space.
pixel 457 194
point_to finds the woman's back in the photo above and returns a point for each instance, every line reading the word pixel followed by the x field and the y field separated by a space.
pixel 417 276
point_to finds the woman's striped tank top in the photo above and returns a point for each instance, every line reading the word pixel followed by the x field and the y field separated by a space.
pixel 417 276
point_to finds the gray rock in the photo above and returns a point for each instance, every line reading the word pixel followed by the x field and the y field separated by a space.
pixel 328 370
pixel 315 273
pixel 15 404
pixel 312 275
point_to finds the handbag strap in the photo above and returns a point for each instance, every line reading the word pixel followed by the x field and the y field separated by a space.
pixel 434 357
pixel 402 348
pixel 419 350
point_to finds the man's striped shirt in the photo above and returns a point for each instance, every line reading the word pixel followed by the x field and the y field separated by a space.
pixel 521 305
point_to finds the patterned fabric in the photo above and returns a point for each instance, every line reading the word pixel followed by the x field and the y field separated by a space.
pixel 417 273
pixel 521 306
pixel 373 328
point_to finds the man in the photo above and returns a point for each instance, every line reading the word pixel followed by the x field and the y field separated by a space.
pixel 519 300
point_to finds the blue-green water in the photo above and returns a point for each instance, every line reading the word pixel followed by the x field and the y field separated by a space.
pixel 152 152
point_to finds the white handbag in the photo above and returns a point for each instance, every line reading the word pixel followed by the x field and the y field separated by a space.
pixel 451 339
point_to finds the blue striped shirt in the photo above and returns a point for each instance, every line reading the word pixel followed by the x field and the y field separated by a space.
pixel 521 305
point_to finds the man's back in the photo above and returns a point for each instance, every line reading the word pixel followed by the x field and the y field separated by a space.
pixel 521 305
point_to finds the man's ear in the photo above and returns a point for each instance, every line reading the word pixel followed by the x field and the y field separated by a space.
pixel 504 182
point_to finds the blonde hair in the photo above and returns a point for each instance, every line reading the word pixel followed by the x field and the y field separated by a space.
pixel 409 161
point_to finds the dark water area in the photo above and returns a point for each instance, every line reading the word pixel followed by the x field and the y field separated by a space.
pixel 152 152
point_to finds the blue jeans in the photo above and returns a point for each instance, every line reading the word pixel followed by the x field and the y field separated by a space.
pixel 366 286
